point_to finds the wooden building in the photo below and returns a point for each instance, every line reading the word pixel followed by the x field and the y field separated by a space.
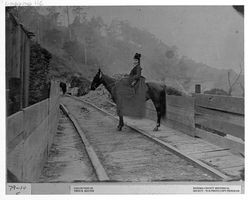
pixel 17 64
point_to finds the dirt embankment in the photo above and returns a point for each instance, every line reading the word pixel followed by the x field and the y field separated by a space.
pixel 101 98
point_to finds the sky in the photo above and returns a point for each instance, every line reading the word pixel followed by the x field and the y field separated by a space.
pixel 213 35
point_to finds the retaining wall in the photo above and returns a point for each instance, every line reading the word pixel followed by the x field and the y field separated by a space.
pixel 29 136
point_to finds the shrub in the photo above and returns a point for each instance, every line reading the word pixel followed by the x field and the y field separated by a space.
pixel 39 71
pixel 216 91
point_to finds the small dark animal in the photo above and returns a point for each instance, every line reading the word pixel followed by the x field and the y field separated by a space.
pixel 63 86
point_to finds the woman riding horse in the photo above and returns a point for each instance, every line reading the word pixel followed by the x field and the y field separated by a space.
pixel 131 92
pixel 127 89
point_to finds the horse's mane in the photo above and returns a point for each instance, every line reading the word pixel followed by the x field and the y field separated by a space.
pixel 173 91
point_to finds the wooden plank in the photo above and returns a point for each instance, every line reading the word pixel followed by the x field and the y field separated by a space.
pixel 189 130
pixel 35 152
pixel 234 171
pixel 17 50
pixel 100 171
pixel 181 111
pixel 34 115
pixel 26 71
pixel 194 148
pixel 210 154
pixel 222 126
pixel 52 126
pixel 21 57
pixel 15 160
pixel 15 142
pixel 187 120
pixel 235 147
pixel 178 138
pixel 179 142
pixel 185 156
pixel 223 103
pixel 223 162
pixel 181 101
pixel 218 115
pixel 14 126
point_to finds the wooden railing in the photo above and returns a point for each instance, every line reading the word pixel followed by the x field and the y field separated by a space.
pixel 220 114
pixel 29 136
pixel 179 113
pixel 218 119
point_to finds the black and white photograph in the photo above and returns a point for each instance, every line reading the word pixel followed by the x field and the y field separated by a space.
pixel 125 99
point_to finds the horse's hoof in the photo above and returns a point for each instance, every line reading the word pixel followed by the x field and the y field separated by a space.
pixel 155 129
pixel 119 128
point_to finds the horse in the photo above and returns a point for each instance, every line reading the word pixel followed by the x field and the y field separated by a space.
pixel 155 91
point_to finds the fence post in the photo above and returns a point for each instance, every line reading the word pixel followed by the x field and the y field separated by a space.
pixel 198 88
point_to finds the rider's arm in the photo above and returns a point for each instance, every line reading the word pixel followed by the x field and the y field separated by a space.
pixel 137 73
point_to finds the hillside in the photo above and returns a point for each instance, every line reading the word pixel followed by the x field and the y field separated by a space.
pixel 85 44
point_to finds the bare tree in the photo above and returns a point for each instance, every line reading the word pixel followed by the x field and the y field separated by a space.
pixel 232 83
pixel 242 88
pixel 80 12
pixel 241 83
pixel 67 13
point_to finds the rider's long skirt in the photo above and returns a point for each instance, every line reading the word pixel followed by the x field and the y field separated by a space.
pixel 130 100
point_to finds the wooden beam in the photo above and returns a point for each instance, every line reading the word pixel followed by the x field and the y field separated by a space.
pixel 222 126
pixel 233 146
pixel 222 103
pixel 100 171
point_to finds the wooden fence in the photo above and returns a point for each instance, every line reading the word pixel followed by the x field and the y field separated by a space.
pixel 211 117
pixel 17 64
pixel 217 116
pixel 29 136
pixel 179 113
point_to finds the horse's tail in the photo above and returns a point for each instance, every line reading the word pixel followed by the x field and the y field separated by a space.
pixel 167 91
pixel 163 102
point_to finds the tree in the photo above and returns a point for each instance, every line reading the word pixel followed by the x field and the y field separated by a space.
pixel 241 83
pixel 232 83
pixel 216 91
pixel 66 10
pixel 79 13
pixel 242 88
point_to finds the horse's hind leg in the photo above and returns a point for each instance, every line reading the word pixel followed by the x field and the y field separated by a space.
pixel 121 123
pixel 158 124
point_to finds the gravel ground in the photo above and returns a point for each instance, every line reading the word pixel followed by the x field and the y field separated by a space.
pixel 101 98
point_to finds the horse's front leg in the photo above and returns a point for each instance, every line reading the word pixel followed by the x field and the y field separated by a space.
pixel 158 124
pixel 121 123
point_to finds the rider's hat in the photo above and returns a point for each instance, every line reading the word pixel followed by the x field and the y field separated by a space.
pixel 137 56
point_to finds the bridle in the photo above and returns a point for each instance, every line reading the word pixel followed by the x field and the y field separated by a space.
pixel 111 84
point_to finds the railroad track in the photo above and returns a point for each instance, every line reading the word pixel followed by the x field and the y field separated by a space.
pixel 68 160
pixel 127 155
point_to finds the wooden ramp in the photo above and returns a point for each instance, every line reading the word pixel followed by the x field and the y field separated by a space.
pixel 128 156
pixel 217 157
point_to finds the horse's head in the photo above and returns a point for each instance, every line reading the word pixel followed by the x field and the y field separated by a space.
pixel 97 80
